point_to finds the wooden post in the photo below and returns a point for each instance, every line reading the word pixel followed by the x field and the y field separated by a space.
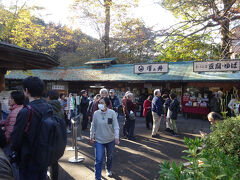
pixel 2 79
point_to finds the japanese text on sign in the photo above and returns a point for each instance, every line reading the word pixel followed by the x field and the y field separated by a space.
pixel 216 66
pixel 151 68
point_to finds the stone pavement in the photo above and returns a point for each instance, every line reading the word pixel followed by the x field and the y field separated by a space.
pixel 133 160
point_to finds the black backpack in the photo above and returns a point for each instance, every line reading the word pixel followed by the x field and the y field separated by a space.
pixel 50 139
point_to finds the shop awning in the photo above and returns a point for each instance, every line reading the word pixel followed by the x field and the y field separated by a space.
pixel 16 58
pixel 178 72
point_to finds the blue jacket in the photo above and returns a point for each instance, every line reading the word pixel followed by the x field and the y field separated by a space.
pixel 115 101
pixel 157 105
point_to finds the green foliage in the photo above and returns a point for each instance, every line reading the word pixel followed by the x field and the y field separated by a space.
pixel 225 137
pixel 133 41
pixel 203 165
pixel 195 48
pixel 19 27
pixel 206 17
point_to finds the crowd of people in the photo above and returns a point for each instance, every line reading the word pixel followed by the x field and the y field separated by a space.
pixel 21 127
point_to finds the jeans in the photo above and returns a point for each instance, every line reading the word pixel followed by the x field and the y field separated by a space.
pixel 99 155
pixel 32 172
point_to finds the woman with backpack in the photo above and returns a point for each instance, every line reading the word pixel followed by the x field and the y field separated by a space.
pixel 172 114
pixel 104 133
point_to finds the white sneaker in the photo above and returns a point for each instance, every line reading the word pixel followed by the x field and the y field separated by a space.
pixel 108 173
pixel 79 138
pixel 68 131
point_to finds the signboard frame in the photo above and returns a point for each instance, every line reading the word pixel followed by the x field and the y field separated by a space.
pixel 220 68
pixel 149 64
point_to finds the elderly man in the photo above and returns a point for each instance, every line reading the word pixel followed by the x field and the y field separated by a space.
pixel 157 110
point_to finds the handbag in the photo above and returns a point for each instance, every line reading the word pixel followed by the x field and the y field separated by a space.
pixel 132 116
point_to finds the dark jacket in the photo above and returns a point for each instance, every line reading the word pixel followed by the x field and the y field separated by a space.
pixel 166 105
pixel 157 105
pixel 6 171
pixel 21 142
pixel 3 141
pixel 90 108
pixel 215 105
pixel 57 108
pixel 174 109
pixel 115 101
pixel 84 104
pixel 129 106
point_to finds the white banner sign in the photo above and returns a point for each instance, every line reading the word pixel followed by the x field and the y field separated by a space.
pixel 151 68
pixel 216 66
pixel 58 87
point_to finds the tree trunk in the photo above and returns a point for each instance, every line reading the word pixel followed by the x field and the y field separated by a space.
pixel 226 42
pixel 2 79
pixel 107 5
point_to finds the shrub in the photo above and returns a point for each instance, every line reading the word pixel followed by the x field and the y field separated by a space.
pixel 225 137
pixel 203 165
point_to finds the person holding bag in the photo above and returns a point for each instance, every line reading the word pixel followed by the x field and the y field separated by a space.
pixel 130 116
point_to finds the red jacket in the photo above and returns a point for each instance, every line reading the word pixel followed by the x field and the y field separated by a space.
pixel 11 120
pixel 147 105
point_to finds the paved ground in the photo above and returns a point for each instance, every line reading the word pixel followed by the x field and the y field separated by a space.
pixel 137 160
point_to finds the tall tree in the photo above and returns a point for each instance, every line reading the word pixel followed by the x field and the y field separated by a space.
pixel 102 13
pixel 204 17
pixel 133 41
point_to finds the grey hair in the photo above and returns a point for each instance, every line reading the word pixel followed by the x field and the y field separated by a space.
pixel 129 95
pixel 103 90
pixel 156 92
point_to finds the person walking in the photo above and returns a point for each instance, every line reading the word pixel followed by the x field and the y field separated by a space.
pixel 166 105
pixel 104 133
pixel 63 102
pixel 52 99
pixel 114 100
pixel 125 125
pixel 16 101
pixel 90 107
pixel 130 117
pixel 147 113
pixel 83 108
pixel 103 93
pixel 157 110
pixel 173 111
pixel 25 132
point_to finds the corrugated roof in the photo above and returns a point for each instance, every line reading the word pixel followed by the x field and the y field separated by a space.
pixel 100 61
pixel 13 57
pixel 178 71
